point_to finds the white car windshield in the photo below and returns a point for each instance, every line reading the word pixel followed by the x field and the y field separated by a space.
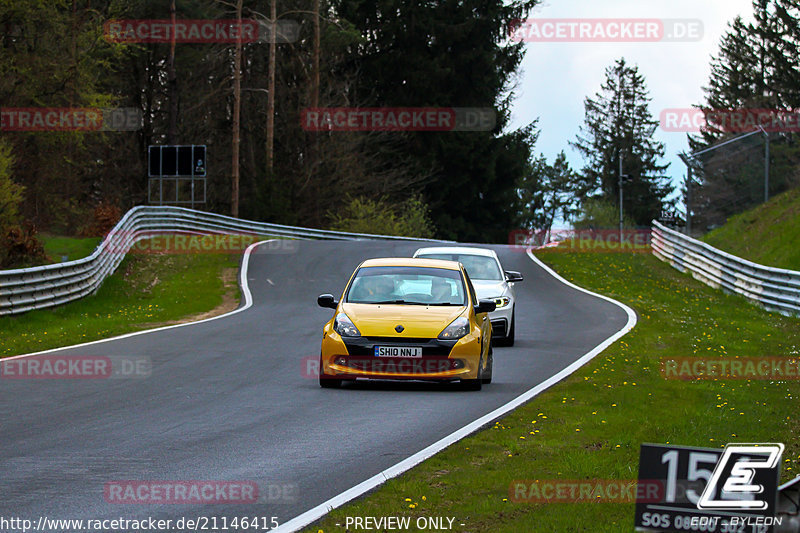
pixel 478 266
pixel 407 285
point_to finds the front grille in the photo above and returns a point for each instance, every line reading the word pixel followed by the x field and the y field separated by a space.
pixel 398 341
pixel 366 345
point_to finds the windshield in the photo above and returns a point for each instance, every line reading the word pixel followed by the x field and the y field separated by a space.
pixel 478 266
pixel 407 285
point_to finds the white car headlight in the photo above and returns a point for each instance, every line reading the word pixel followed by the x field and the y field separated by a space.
pixel 345 327
pixel 457 329
pixel 501 301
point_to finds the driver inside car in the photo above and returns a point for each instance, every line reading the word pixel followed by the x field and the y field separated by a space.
pixel 440 291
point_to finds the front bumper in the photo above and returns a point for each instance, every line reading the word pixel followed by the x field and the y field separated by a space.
pixel 499 328
pixel 434 368
pixel 441 360
pixel 501 320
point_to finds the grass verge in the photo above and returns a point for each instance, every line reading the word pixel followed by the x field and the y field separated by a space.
pixel 146 291
pixel 57 247
pixel 766 234
pixel 590 425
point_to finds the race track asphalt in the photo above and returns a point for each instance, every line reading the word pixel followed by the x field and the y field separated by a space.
pixel 230 399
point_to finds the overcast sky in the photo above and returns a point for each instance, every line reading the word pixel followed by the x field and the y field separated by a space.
pixel 556 77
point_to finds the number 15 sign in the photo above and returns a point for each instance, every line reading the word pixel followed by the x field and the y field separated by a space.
pixel 717 490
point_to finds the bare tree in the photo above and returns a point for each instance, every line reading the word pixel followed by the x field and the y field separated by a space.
pixel 315 82
pixel 273 15
pixel 172 84
pixel 237 105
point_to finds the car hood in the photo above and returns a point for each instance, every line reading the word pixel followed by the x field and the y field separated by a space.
pixel 489 288
pixel 418 321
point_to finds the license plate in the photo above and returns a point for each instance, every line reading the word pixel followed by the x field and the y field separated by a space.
pixel 398 351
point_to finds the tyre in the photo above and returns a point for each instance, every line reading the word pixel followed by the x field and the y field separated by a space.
pixel 486 377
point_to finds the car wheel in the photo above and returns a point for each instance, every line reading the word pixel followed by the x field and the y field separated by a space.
pixel 486 377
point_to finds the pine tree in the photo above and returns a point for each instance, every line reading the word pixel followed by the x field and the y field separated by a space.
pixel 449 53
pixel 784 54
pixel 619 126
pixel 757 68
pixel 547 192
pixel 734 70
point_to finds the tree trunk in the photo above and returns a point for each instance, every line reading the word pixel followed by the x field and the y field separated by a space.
pixel 315 82
pixel 237 105
pixel 172 84
pixel 271 88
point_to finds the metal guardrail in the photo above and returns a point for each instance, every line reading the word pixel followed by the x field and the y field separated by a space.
pixel 775 289
pixel 40 287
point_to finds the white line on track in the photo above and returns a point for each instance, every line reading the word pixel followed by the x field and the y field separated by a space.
pixel 324 508
pixel 248 302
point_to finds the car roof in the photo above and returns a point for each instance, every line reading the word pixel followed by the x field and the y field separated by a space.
pixel 462 250
pixel 412 262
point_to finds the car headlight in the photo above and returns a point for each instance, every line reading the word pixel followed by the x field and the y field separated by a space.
pixel 345 327
pixel 501 301
pixel 457 329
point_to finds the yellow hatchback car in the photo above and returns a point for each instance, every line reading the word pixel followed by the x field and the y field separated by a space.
pixel 404 318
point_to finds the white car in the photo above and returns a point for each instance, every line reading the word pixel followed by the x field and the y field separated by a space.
pixel 491 282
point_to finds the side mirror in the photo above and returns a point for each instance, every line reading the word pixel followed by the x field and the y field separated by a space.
pixel 485 306
pixel 327 300
pixel 512 276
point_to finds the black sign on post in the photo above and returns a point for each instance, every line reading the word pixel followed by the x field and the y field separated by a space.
pixel 705 489
pixel 174 161
pixel 170 167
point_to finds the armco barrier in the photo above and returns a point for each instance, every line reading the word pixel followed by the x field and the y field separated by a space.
pixel 25 289
pixel 775 289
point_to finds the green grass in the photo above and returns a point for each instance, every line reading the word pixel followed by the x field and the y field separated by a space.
pixel 590 425
pixel 144 292
pixel 56 247
pixel 767 234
